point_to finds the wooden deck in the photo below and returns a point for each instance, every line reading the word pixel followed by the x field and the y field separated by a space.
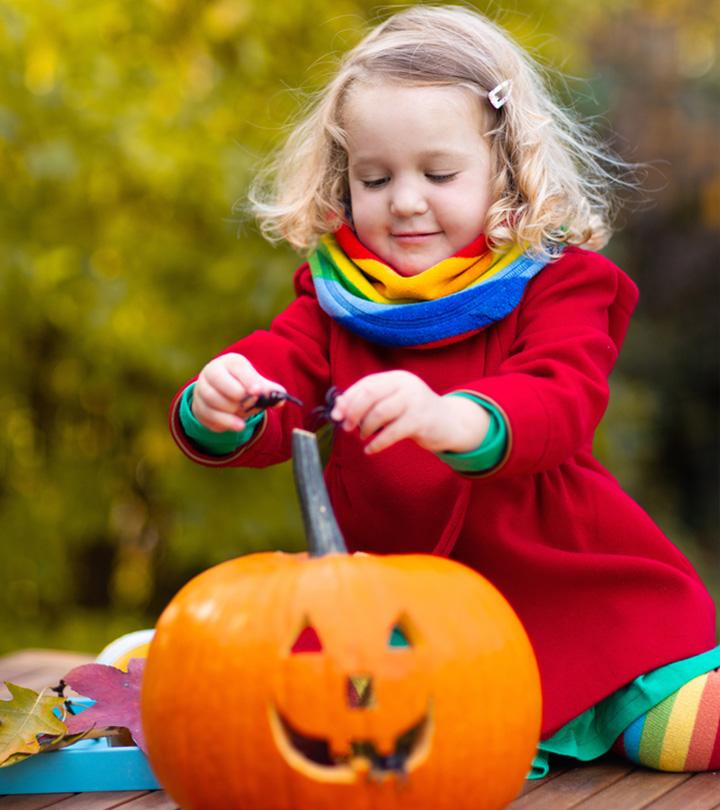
pixel 610 784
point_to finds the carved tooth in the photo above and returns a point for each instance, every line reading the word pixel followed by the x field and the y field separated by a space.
pixel 385 745
pixel 341 750
pixel 361 765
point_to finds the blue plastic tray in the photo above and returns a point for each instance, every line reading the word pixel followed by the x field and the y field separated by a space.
pixel 88 765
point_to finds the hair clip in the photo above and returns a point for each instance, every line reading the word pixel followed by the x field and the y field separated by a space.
pixel 499 95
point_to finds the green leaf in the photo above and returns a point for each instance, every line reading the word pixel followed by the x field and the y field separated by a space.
pixel 22 718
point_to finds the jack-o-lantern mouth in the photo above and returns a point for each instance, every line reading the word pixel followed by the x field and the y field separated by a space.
pixel 314 756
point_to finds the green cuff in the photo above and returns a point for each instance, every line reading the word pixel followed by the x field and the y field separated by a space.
pixel 210 441
pixel 493 446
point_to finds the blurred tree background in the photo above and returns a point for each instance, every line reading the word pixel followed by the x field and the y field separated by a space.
pixel 128 131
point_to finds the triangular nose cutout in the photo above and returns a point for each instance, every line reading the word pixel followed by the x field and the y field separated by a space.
pixel 360 691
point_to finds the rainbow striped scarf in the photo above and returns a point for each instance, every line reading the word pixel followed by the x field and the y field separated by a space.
pixel 446 302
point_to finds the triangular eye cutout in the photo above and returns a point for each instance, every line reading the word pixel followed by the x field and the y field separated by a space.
pixel 308 641
pixel 398 637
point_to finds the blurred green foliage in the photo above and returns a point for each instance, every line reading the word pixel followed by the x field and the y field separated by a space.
pixel 128 131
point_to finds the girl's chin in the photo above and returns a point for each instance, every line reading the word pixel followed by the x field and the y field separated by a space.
pixel 413 266
pixel 410 270
pixel 411 260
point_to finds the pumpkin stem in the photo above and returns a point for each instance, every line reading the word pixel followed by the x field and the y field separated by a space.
pixel 323 533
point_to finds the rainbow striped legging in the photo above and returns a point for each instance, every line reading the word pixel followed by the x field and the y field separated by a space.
pixel 682 733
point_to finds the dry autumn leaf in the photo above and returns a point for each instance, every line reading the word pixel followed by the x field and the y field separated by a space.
pixel 116 695
pixel 23 718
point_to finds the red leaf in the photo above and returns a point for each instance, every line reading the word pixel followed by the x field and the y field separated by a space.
pixel 116 695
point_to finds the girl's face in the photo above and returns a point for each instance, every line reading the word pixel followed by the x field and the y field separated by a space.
pixel 419 172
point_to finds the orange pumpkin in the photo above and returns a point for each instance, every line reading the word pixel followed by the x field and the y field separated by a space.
pixel 292 682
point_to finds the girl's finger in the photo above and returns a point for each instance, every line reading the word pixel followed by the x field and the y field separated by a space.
pixel 352 405
pixel 381 413
pixel 218 421
pixel 224 382
pixel 393 433
pixel 241 369
pixel 215 399
pixel 239 366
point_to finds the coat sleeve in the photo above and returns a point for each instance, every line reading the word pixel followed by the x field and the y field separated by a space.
pixel 292 352
pixel 553 387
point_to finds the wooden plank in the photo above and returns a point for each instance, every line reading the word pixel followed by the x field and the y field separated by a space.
pixel 700 792
pixel 32 658
pixel 36 669
pixel 635 791
pixel 695 792
pixel 102 800
pixel 157 800
pixel 535 784
pixel 573 787
pixel 41 677
pixel 16 669
pixel 34 802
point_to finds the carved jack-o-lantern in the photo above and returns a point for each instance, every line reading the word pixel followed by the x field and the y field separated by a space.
pixel 287 682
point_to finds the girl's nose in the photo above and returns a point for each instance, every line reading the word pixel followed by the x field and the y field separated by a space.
pixel 407 200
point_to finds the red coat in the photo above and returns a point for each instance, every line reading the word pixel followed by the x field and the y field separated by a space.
pixel 603 594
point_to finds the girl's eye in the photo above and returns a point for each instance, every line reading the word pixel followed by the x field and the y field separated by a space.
pixel 379 183
pixel 441 178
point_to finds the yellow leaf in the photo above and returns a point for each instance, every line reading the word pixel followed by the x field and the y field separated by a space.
pixel 22 718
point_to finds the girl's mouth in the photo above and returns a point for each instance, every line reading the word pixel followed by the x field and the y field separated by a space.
pixel 417 238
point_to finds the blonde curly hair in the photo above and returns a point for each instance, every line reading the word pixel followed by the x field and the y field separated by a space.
pixel 553 180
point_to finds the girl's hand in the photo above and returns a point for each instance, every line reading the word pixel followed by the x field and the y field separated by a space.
pixel 397 405
pixel 226 392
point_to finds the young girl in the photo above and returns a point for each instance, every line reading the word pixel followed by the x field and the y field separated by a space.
pixel 447 206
